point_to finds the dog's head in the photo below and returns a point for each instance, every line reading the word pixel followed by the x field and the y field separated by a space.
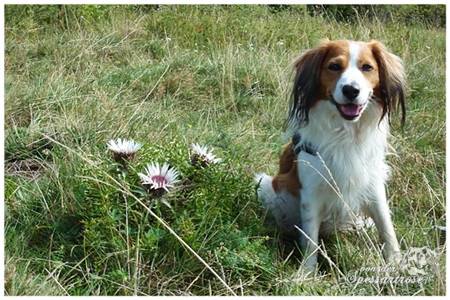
pixel 349 75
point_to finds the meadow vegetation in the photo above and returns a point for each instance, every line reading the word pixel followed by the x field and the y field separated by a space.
pixel 169 76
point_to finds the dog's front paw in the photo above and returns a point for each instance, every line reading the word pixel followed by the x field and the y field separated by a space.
pixel 309 265
pixel 393 258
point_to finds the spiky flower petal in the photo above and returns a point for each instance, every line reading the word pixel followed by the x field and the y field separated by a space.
pixel 123 149
pixel 202 156
pixel 124 146
pixel 159 178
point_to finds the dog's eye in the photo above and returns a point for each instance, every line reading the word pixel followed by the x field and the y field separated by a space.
pixel 367 68
pixel 335 67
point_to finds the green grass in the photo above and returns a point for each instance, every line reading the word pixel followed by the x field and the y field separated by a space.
pixel 170 76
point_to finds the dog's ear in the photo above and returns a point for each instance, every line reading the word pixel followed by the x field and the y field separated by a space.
pixel 307 82
pixel 392 89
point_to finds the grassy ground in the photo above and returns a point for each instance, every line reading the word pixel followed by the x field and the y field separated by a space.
pixel 170 76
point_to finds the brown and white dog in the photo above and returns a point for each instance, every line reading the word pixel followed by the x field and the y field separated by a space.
pixel 334 169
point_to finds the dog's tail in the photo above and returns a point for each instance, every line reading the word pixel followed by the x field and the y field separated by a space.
pixel 283 206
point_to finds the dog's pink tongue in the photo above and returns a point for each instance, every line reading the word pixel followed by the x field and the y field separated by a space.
pixel 351 110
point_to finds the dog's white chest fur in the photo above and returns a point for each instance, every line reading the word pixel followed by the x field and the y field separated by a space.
pixel 349 165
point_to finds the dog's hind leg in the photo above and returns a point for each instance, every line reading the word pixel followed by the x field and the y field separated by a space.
pixel 280 194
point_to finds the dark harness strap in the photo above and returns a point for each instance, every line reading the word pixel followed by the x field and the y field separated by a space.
pixel 298 145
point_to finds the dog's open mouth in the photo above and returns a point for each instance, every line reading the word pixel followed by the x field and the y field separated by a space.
pixel 349 111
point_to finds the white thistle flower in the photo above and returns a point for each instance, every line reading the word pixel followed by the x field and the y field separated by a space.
pixel 123 149
pixel 203 156
pixel 159 178
pixel 124 146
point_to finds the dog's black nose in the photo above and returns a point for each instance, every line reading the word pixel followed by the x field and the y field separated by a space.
pixel 351 91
